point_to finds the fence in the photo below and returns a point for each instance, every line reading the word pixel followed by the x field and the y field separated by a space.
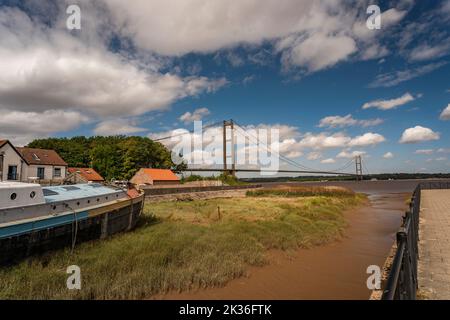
pixel 402 280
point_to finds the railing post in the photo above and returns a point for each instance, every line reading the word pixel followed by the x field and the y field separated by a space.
pixel 404 279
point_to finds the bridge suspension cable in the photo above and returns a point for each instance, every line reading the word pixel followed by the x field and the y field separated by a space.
pixel 364 164
pixel 268 148
pixel 187 132
pixel 290 161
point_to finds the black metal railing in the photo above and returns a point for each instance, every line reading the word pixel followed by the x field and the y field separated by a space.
pixel 402 281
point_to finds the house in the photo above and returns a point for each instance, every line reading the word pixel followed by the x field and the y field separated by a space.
pixel 155 177
pixel 27 164
pixel 83 175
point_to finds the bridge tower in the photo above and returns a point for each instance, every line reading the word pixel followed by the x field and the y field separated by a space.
pixel 359 173
pixel 229 139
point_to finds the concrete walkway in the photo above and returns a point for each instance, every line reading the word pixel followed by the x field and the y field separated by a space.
pixel 434 245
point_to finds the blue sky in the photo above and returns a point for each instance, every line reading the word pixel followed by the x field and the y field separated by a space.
pixel 137 69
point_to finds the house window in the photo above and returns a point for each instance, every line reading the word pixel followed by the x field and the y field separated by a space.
pixel 12 172
pixel 41 173
pixel 57 172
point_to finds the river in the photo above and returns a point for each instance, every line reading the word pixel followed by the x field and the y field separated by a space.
pixel 333 271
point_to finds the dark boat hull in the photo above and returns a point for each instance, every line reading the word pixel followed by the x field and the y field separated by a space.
pixel 101 223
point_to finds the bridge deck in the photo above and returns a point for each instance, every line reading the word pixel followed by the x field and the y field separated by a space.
pixel 434 245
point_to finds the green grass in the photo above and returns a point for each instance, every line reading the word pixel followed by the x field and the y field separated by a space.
pixel 181 246
pixel 226 178
pixel 287 191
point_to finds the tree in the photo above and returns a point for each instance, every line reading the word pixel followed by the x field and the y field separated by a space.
pixel 114 157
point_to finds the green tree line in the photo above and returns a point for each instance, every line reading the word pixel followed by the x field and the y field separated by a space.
pixel 114 157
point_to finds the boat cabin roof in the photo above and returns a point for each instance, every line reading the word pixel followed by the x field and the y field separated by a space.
pixel 16 185
pixel 77 191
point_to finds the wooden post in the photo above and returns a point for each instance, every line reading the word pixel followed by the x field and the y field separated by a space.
pixel 104 228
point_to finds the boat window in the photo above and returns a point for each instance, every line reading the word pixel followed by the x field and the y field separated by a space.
pixel 71 188
pixel 32 194
pixel 95 185
pixel 13 196
pixel 48 192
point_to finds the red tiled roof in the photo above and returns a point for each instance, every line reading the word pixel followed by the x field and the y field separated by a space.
pixel 3 142
pixel 41 156
pixel 161 174
pixel 87 173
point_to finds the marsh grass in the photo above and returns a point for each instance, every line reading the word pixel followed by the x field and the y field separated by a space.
pixel 287 191
pixel 182 245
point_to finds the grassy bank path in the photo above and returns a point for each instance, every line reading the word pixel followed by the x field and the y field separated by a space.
pixel 186 245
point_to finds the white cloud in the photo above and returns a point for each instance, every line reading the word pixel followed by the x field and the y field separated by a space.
pixel 49 121
pixel 389 104
pixel 418 134
pixel 197 115
pixel 350 155
pixel 426 52
pixel 328 161
pixel 445 115
pixel 424 151
pixel 293 154
pixel 287 145
pixel 47 70
pixel 312 35
pixel 443 150
pixel 314 156
pixel 196 26
pixel 80 76
pixel 320 51
pixel 346 121
pixel 248 79
pixel 21 127
pixel 234 59
pixel 286 132
pixel 388 18
pixel 337 121
pixel 440 159
pixel 367 139
pixel 388 155
pixel 117 127
pixel 394 78
pixel 374 51
pixel 339 140
pixel 324 141
pixel 370 122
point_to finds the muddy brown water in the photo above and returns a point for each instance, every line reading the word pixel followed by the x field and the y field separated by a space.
pixel 333 271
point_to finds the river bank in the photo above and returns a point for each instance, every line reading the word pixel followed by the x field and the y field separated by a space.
pixel 333 271
pixel 187 244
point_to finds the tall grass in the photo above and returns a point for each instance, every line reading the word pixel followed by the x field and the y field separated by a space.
pixel 287 191
pixel 180 246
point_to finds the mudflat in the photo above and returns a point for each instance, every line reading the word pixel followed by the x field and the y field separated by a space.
pixel 333 271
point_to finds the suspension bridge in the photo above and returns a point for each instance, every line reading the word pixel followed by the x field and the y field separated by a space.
pixel 230 128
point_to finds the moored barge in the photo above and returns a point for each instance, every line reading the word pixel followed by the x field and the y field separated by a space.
pixel 35 219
